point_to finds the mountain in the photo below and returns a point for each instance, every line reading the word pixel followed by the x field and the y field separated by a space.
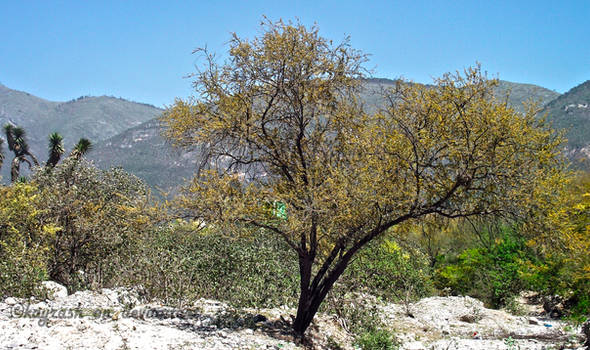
pixel 516 93
pixel 128 134
pixel 142 151
pixel 571 111
pixel 95 118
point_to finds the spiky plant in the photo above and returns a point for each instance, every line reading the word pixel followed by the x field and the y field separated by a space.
pixel 18 144
pixel 21 146
pixel 8 130
pixel 56 149
pixel 82 147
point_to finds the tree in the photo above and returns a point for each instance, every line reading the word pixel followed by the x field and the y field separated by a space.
pixel 56 149
pixel 15 137
pixel 81 148
pixel 279 122
pixel 565 245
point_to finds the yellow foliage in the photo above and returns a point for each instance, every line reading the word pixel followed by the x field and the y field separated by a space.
pixel 280 122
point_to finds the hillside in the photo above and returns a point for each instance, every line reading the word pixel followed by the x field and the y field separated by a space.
pixel 127 134
pixel 142 151
pixel 516 93
pixel 96 118
pixel 571 111
pixel 519 93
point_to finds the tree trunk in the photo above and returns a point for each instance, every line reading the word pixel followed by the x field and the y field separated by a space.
pixel 306 311
pixel 311 299
pixel 305 294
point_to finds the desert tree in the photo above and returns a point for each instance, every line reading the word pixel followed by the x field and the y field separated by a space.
pixel 81 148
pixel 280 122
pixel 56 149
pixel 15 137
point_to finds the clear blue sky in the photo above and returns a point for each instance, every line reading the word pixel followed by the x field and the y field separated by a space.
pixel 140 50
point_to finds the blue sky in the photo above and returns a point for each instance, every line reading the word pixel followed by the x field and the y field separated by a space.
pixel 141 50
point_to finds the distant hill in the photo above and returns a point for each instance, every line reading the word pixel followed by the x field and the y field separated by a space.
pixel 127 134
pixel 142 151
pixel 96 118
pixel 516 93
pixel 519 93
pixel 571 111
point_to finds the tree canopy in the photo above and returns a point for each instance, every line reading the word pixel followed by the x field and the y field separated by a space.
pixel 279 122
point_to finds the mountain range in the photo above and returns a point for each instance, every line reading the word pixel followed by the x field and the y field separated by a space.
pixel 127 134
pixel 95 118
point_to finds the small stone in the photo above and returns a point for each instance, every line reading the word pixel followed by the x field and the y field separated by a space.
pixel 533 321
pixel 468 318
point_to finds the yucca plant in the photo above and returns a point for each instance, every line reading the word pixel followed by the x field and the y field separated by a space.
pixel 56 149
pixel 81 148
pixel 9 136
pixel 18 144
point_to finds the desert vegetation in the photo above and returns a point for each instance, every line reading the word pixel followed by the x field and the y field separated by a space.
pixel 305 198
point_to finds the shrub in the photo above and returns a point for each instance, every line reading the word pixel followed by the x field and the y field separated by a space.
pixel 376 340
pixel 386 270
pixel 492 274
pixel 180 263
pixel 101 215
pixel 24 240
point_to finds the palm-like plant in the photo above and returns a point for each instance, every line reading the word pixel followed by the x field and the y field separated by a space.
pixel 82 147
pixel 56 149
pixel 18 144
pixel 8 128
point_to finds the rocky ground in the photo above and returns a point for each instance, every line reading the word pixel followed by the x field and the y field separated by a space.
pixel 117 319
pixel 464 323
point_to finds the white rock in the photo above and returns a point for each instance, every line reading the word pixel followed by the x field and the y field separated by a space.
pixel 10 301
pixel 415 345
pixel 54 290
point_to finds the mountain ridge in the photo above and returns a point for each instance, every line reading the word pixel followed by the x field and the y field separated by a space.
pixel 94 117
pixel 148 155
pixel 127 134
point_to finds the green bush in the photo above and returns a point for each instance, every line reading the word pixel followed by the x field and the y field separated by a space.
pixel 378 339
pixel 101 216
pixel 493 274
pixel 386 270
pixel 181 263
pixel 24 241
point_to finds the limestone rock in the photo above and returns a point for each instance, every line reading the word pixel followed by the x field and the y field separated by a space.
pixel 54 290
